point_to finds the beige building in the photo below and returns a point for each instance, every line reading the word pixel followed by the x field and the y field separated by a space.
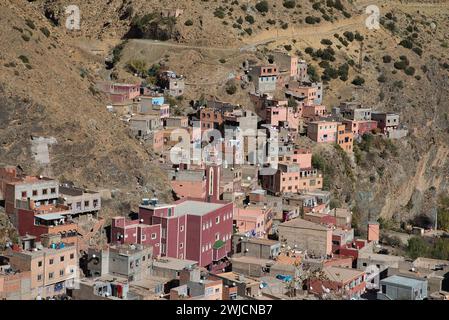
pixel 306 235
pixel 52 270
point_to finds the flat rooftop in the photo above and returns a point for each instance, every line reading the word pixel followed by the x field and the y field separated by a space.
pixel 303 224
pixel 197 208
pixel 402 281
pixel 173 263
pixel 340 274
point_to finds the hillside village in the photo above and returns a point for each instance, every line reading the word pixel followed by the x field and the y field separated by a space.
pixel 252 214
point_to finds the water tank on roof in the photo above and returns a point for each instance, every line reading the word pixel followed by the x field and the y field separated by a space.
pixel 145 201
pixel 154 201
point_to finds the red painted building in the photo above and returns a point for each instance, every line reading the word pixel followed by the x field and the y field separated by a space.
pixel 189 229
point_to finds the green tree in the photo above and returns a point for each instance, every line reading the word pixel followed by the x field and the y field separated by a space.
pixel 417 247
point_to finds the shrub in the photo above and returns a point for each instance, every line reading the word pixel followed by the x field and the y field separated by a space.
pixel 358 81
pixel 231 89
pixel 417 247
pixel 310 20
pixel 24 59
pixel 326 42
pixel 309 50
pixel 382 78
pixel 288 47
pixel 188 23
pixel 30 24
pixel 406 44
pixel 386 59
pixel 219 13
pixel 222 60
pixel 249 31
pixel 284 25
pixel 401 65
pixel 262 6
pixel 418 51
pixel 289 4
pixel 349 36
pixel 45 31
pixel 410 71
pixel 25 37
pixel 358 37
pixel 250 19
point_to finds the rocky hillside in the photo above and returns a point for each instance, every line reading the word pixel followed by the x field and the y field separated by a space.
pixel 47 75
pixel 46 91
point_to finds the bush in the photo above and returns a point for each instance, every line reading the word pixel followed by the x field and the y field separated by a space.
pixel 262 6
pixel 250 19
pixel 288 47
pixel 417 247
pixel 418 51
pixel 410 71
pixel 24 59
pixel 401 65
pixel 188 23
pixel 349 36
pixel 289 4
pixel 358 81
pixel 231 89
pixel 45 31
pixel 219 13
pixel 249 31
pixel 222 60
pixel 30 24
pixel 406 44
pixel 326 42
pixel 309 50
pixel 387 59
pixel 382 78
pixel 312 20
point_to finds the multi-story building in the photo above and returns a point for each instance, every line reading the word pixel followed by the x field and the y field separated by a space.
pixel 264 78
pixel 360 127
pixel 306 235
pixel 323 131
pixel 39 190
pixel 345 138
pixel 355 111
pixel 345 282
pixel 52 270
pixel 143 125
pixel 386 121
pixel 207 224
pixel 80 201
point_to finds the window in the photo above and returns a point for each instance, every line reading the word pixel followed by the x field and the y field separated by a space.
pixel 61 272
pixel 181 245
pixel 182 228
pixel 169 212
pixel 61 258
pixel 153 236
pixel 39 263
pixel 44 191
pixel 72 256
pixel 78 205
pixel 53 190
pixel 164 233
pixel 95 203
pixel 39 277
pixel 217 220
pixel 24 194
pixel 51 261
pixel 86 203
pixel 50 275
pixel 217 236
pixel 144 237
pixel 34 192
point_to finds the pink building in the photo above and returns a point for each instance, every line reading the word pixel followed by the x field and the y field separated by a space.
pixel 313 112
pixel 307 94
pixel 134 232
pixel 302 157
pixel 131 91
pixel 255 220
pixel 193 230
pixel 323 131
pixel 359 128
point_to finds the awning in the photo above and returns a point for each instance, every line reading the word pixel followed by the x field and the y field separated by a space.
pixel 218 244
pixel 50 216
